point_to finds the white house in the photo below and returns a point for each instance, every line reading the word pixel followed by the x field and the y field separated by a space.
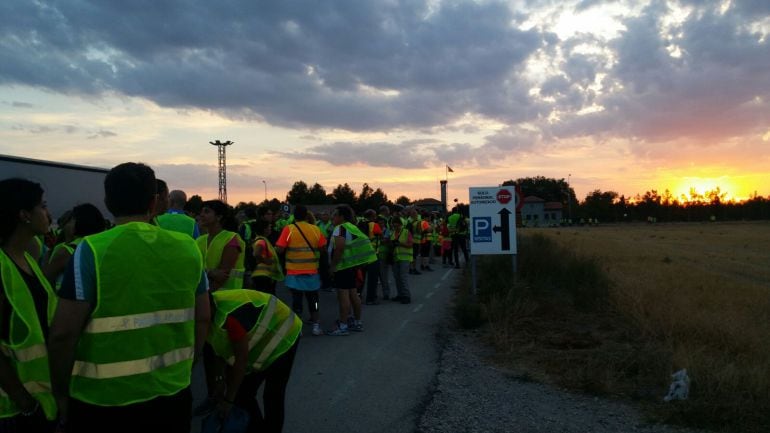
pixel 537 212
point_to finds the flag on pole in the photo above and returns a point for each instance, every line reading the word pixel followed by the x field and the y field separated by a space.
pixel 449 169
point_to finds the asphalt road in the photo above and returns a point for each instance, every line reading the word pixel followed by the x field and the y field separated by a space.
pixel 374 381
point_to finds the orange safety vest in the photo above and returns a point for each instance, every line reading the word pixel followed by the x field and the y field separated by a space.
pixel 300 258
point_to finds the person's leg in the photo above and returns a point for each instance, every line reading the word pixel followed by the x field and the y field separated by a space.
pixel 456 250
pixel 312 304
pixel 246 399
pixel 373 275
pixel 343 297
pixel 355 302
pixel 296 301
pixel 464 246
pixel 274 395
pixel 384 267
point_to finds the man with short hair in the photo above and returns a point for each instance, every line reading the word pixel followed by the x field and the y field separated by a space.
pixel 175 218
pixel 132 316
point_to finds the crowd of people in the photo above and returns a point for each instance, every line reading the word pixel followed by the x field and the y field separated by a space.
pixel 101 322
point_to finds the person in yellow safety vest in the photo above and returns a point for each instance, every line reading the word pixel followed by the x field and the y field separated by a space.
pixel 458 229
pixel 27 303
pixel 175 218
pixel 424 227
pixel 255 338
pixel 349 250
pixel 267 271
pixel 372 271
pixel 132 316
pixel 222 249
pixel 86 219
pixel 401 241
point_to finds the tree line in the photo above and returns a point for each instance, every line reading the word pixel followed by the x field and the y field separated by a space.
pixel 606 206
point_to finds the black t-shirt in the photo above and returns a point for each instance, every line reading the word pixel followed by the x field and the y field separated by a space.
pixel 39 296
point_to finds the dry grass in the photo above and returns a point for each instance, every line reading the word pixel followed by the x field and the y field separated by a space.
pixel 698 295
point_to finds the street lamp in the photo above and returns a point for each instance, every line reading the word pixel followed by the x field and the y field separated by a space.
pixel 263 181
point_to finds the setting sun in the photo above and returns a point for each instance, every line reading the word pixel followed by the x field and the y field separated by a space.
pixel 697 189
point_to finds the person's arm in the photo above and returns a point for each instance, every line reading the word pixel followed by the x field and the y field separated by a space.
pixel 66 328
pixel 259 247
pixel 339 247
pixel 202 320
pixel 219 275
pixel 11 385
pixel 56 265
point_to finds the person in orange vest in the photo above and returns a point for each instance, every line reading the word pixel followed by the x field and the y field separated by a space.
pixel 303 243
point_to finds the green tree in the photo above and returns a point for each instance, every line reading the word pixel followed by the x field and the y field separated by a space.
pixel 600 205
pixel 403 201
pixel 299 193
pixel 343 194
pixel 317 195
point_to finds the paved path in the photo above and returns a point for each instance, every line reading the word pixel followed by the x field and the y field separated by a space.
pixel 374 381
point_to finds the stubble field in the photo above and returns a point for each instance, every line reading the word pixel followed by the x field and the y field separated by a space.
pixel 697 296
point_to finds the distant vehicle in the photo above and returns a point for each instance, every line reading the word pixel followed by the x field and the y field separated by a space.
pixel 65 185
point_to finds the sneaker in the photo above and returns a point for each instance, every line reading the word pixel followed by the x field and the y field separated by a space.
pixel 342 329
pixel 429 269
pixel 351 322
pixel 317 329
pixel 206 407
pixel 358 326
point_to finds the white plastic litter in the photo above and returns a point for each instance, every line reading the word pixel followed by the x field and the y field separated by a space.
pixel 680 386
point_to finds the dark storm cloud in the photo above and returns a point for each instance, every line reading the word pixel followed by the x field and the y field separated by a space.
pixel 291 63
pixel 409 154
pixel 408 65
pixel 716 88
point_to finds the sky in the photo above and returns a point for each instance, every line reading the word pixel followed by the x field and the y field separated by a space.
pixel 624 96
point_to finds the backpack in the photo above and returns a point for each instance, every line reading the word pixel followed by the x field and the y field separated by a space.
pixel 462 224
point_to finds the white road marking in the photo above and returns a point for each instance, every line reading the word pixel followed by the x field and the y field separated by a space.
pixel 428 295
pixel 446 275
pixel 417 308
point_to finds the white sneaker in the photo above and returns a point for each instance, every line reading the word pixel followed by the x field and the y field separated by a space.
pixel 317 329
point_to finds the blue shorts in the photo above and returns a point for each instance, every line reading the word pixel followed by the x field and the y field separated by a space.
pixel 306 282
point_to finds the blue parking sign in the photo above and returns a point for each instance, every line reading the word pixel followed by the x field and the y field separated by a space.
pixel 482 229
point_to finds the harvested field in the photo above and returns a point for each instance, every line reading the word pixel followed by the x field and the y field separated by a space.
pixel 693 296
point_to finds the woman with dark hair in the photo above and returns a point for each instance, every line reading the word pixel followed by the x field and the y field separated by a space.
pixel 85 219
pixel 27 303
pixel 223 253
pixel 223 250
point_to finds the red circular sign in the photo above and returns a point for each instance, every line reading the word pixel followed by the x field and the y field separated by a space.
pixel 504 196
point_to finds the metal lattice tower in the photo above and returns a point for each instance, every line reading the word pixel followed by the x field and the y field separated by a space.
pixel 221 149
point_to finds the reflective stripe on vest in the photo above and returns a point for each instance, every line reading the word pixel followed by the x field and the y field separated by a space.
pixel 299 256
pixel 212 256
pixel 275 331
pixel 358 251
pixel 150 364
pixel 139 343
pixel 25 347
pixel 138 321
pixel 273 270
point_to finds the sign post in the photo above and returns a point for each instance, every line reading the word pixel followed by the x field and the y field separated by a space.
pixel 493 223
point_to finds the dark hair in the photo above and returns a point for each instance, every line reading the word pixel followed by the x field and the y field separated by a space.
pixel 88 220
pixel 223 210
pixel 16 195
pixel 345 212
pixel 129 188
pixel 300 212
pixel 161 186
pixel 259 226
pixel 250 212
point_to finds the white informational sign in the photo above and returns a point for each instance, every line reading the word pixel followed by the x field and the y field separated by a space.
pixel 493 220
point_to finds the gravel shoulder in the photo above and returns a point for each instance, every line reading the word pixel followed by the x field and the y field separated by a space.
pixel 473 395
